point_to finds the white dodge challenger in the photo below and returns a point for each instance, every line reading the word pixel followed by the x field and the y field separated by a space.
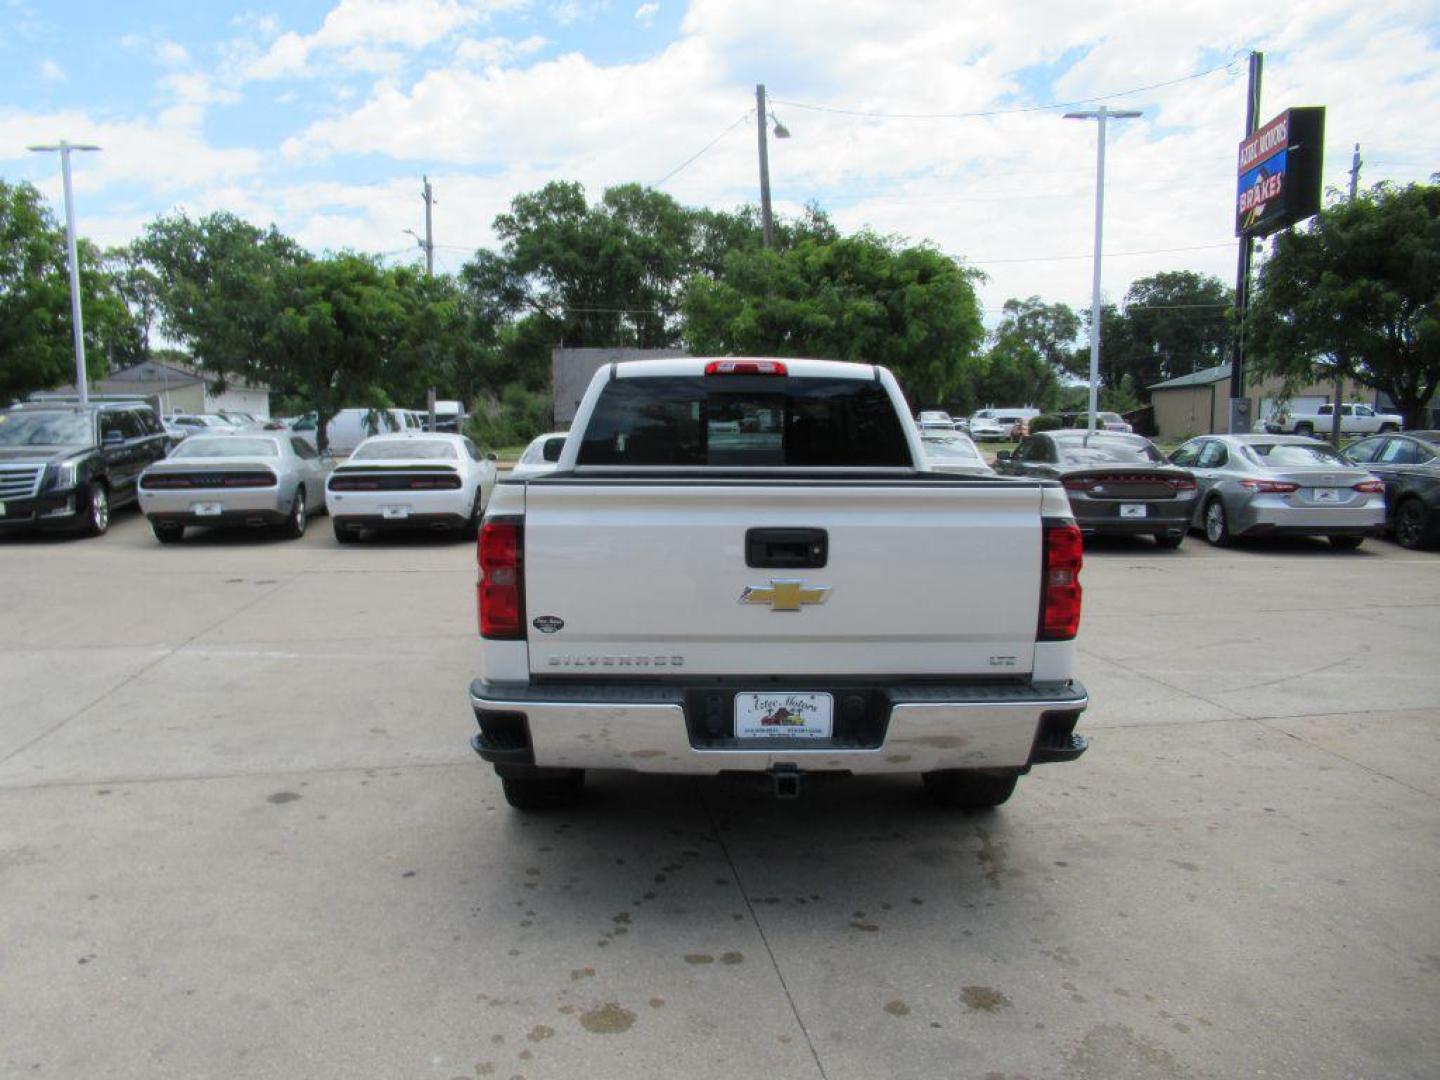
pixel 436 481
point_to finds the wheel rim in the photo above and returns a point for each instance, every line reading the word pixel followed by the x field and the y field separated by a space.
pixel 298 515
pixel 1214 522
pixel 100 509
pixel 1408 527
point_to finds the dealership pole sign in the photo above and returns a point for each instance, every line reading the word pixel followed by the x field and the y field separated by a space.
pixel 1279 172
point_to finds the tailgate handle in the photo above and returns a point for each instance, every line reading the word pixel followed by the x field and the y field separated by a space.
pixel 786 549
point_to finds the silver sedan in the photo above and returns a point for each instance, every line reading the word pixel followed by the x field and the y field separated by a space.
pixel 255 478
pixel 1276 485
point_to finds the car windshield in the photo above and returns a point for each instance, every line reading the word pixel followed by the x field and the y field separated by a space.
pixel 951 450
pixel 1110 418
pixel 1283 455
pixel 58 428
pixel 404 450
pixel 228 447
pixel 1096 449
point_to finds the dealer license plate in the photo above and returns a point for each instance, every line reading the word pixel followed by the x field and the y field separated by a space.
pixel 394 513
pixel 1132 510
pixel 207 509
pixel 1327 494
pixel 783 716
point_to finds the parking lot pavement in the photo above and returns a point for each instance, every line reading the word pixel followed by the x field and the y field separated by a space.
pixel 241 835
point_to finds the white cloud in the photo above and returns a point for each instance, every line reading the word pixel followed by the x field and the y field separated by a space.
pixel 645 14
pixel 496 114
pixel 52 72
pixel 497 51
pixel 164 155
pixel 372 35
pixel 172 53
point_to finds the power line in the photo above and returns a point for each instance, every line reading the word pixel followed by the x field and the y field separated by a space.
pixel 704 149
pixel 1006 112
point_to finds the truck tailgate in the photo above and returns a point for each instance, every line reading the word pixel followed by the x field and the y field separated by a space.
pixel 922 577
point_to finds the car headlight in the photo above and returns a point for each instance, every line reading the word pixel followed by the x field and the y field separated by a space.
pixel 65 475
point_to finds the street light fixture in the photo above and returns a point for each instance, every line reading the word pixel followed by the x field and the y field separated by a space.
pixel 1101 114
pixel 82 383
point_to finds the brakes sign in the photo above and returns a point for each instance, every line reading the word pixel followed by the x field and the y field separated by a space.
pixel 1260 195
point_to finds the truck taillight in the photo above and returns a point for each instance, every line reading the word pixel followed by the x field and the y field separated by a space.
pixel 1060 588
pixel 500 593
pixel 745 367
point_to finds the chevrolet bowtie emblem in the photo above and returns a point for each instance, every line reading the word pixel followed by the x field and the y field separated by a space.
pixel 785 595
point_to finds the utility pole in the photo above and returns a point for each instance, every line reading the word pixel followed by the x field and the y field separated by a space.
pixel 82 381
pixel 1242 269
pixel 1335 421
pixel 1101 114
pixel 766 223
pixel 429 244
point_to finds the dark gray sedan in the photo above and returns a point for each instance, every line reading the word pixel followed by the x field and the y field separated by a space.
pixel 1409 467
pixel 1116 483
pixel 1254 485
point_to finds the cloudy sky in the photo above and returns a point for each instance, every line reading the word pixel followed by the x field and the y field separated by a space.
pixel 924 119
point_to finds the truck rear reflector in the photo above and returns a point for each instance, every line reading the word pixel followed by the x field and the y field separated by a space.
pixel 745 367
pixel 1060 588
pixel 500 593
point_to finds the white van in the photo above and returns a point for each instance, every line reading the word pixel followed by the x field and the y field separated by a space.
pixel 348 428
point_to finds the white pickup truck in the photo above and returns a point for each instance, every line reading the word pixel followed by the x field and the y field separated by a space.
pixel 1355 419
pixel 746 565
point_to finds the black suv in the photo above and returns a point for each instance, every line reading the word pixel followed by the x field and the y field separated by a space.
pixel 65 466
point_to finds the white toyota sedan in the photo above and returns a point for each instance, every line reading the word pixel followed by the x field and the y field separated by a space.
pixel 438 482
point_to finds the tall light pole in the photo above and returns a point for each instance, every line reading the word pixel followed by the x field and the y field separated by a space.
pixel 1101 114
pixel 762 114
pixel 82 383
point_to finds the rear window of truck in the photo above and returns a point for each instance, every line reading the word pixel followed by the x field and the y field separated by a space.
pixel 740 421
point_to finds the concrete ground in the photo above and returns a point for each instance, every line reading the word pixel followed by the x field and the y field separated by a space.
pixel 242 835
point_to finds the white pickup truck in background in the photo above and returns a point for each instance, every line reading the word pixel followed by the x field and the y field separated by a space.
pixel 746 565
pixel 1355 419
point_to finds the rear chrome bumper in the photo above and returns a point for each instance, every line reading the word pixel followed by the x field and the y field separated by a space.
pixel 644 729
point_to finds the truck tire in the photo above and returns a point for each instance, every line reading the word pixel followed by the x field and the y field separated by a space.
pixel 1385 429
pixel 547 789
pixel 966 789
pixel 1305 428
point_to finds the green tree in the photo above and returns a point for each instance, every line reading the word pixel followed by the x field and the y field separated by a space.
pixel 336 336
pixel 1356 293
pixel 218 281
pixel 37 350
pixel 1029 352
pixel 1171 324
pixel 862 298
